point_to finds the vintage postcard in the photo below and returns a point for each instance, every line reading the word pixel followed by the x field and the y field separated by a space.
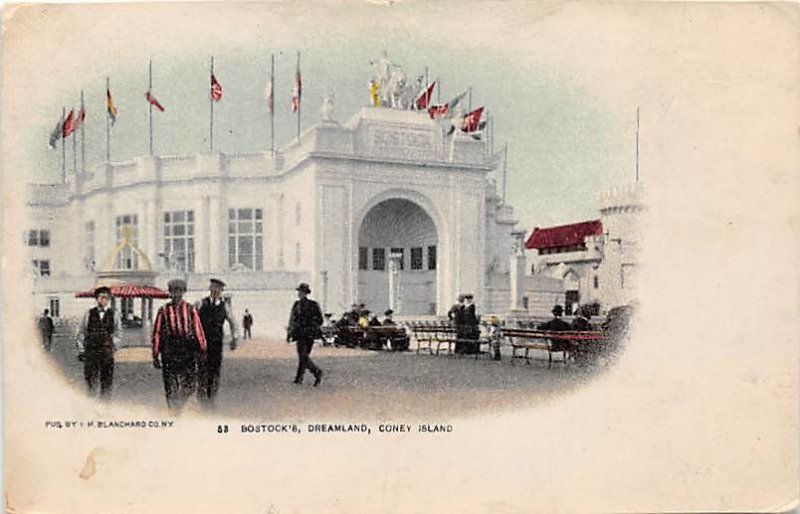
pixel 490 257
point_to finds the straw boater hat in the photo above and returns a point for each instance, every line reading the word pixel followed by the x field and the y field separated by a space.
pixel 102 289
pixel 217 282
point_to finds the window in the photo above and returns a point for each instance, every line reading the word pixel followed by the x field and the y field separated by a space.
pixel 596 282
pixel 38 238
pixel 399 252
pixel 362 258
pixel 179 240
pixel 88 245
pixel 55 306
pixel 416 258
pixel 127 259
pixel 245 239
pixel 297 217
pixel 41 268
pixel 431 257
pixel 379 259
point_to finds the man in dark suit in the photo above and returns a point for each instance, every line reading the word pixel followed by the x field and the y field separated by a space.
pixel 99 336
pixel 46 329
pixel 214 312
pixel 471 329
pixel 557 325
pixel 581 324
pixel 305 321
pixel 456 315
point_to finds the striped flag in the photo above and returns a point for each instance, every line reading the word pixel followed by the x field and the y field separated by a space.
pixel 425 98
pixel 443 110
pixel 110 107
pixel 150 97
pixel 69 125
pixel 298 88
pixel 216 89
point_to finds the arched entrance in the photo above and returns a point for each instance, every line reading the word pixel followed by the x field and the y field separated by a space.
pixel 398 258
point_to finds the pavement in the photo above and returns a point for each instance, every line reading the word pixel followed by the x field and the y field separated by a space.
pixel 358 385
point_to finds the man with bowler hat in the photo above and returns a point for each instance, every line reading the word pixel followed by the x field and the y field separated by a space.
pixel 214 312
pixel 99 336
pixel 557 325
pixel 178 343
pixel 305 321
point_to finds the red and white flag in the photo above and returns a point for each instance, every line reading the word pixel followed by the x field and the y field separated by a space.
pixel 425 98
pixel 438 111
pixel 216 89
pixel 298 88
pixel 150 97
pixel 472 121
pixel 69 125
pixel 268 93
pixel 79 119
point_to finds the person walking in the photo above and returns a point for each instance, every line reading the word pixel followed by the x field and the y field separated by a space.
pixel 178 343
pixel 247 322
pixel 214 311
pixel 46 329
pixel 99 336
pixel 305 321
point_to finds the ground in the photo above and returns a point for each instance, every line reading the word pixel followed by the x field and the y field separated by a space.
pixel 358 385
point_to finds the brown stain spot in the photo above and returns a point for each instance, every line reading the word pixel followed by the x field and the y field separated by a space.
pixel 89 467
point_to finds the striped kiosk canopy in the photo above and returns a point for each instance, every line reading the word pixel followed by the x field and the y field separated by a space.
pixel 128 291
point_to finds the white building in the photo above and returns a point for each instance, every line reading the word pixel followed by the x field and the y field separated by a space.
pixel 337 208
pixel 594 260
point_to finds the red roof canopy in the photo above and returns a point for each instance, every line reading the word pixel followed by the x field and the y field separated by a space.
pixel 128 291
pixel 564 235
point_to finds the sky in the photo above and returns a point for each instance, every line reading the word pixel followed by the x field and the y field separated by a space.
pixel 568 138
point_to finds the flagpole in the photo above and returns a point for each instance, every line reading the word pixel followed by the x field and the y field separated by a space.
pixel 299 91
pixel 505 172
pixel 75 145
pixel 211 102
pixel 63 146
pixel 108 123
pixel 439 91
pixel 470 100
pixel 83 138
pixel 150 90
pixel 272 106
pixel 637 143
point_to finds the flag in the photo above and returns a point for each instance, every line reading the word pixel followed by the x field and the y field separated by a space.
pixel 268 91
pixel 112 110
pixel 438 111
pixel 79 119
pixel 69 126
pixel 425 98
pixel 152 99
pixel 478 134
pixel 373 92
pixel 57 133
pixel 443 110
pixel 472 121
pixel 216 89
pixel 298 88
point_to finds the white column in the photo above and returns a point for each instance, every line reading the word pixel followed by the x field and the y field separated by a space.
pixel 517 273
pixel 394 282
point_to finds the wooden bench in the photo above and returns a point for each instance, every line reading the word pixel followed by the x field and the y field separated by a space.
pixel 428 335
pixel 394 334
pixel 565 342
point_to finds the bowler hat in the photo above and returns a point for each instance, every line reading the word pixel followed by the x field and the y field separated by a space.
pixel 304 287
pixel 176 283
pixel 558 310
pixel 388 312
pixel 468 297
pixel 217 282
pixel 102 289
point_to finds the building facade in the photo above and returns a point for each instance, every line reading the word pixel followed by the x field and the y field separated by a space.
pixel 384 209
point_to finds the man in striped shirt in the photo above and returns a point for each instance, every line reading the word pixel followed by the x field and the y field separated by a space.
pixel 178 343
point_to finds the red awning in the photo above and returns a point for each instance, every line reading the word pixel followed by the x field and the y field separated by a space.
pixel 128 291
pixel 564 235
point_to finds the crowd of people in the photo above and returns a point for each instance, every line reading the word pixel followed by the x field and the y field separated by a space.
pixel 187 339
